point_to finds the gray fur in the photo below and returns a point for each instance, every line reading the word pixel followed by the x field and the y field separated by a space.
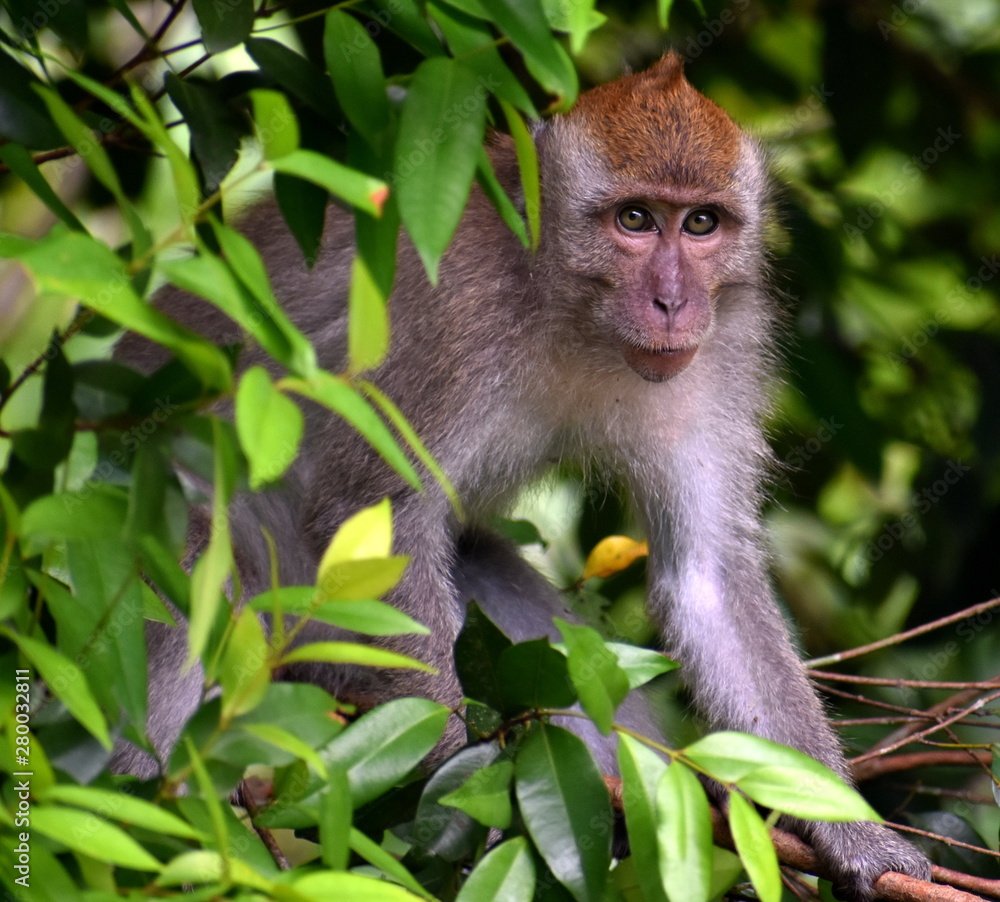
pixel 509 364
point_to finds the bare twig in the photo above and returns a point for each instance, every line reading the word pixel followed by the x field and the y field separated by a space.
pixel 902 637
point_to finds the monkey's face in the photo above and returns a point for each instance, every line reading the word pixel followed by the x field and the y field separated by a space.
pixel 650 191
pixel 664 258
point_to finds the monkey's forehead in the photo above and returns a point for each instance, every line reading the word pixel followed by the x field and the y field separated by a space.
pixel 655 126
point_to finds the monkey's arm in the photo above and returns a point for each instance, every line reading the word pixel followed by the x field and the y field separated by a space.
pixel 709 595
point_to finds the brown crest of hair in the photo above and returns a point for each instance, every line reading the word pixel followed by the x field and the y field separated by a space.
pixel 655 127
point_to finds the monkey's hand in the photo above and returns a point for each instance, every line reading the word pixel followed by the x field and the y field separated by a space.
pixel 857 854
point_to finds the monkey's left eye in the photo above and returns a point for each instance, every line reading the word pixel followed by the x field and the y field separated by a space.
pixel 636 219
pixel 700 222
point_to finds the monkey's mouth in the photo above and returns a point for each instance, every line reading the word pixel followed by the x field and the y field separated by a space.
pixel 658 364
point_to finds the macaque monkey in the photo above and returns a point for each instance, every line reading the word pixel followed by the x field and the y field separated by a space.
pixel 638 340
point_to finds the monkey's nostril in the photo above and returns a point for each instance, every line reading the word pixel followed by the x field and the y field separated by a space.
pixel 669 304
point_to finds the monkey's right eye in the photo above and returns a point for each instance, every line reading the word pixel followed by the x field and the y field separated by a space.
pixel 636 219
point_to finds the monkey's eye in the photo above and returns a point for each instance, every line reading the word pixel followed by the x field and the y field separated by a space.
pixel 700 222
pixel 636 219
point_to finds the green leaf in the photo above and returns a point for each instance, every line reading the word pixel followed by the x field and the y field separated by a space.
pixel 485 796
pixel 358 189
pixel 477 658
pixel 356 71
pixel 383 860
pixel 528 29
pixel 640 664
pixel 215 129
pixel 340 397
pixel 335 820
pixel 641 770
pixel 807 794
pixel 67 683
pixel 407 19
pixel 443 831
pixel 298 708
pixel 663 8
pixel 277 127
pixel 527 165
pixel 779 777
pixel 368 322
pixel 498 197
pixel 70 516
pixel 75 265
pixel 384 745
pixel 23 166
pixel 474 42
pixel 122 807
pixel 562 797
pixel 303 205
pixel 368 616
pixel 224 25
pixel 21 118
pixel 84 831
pixel 240 289
pixel 269 426
pixel 288 742
pixel 578 18
pixel 319 886
pixel 440 135
pixel 593 668
pixel 377 238
pixel 82 139
pixel 244 671
pixel 753 843
pixel 112 653
pixel 353 653
pixel 395 416
pixel 197 867
pixel 684 836
pixel 203 866
pixel 92 152
pixel 505 874
pixel 293 71
pixel 214 567
pixel 267 321
pixel 534 675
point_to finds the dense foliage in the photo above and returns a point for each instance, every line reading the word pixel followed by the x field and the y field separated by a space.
pixel 131 137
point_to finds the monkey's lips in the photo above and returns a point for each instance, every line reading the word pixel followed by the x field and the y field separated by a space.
pixel 656 365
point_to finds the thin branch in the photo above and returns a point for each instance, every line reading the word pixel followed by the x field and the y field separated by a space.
pixel 870 768
pixel 961 714
pixel 902 637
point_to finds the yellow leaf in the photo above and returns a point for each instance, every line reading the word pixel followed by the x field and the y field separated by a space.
pixel 612 555
pixel 366 535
